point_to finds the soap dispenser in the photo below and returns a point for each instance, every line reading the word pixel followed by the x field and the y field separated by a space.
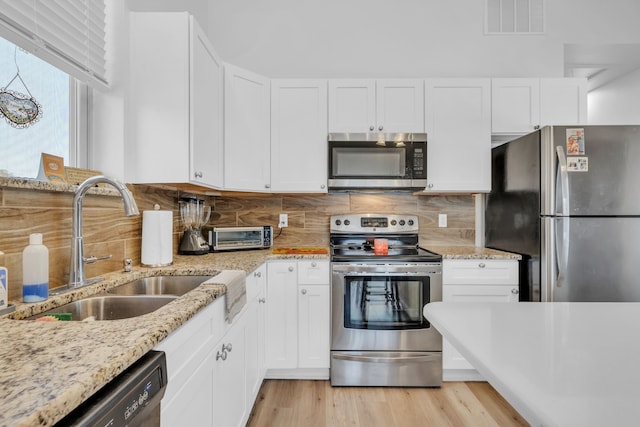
pixel 35 270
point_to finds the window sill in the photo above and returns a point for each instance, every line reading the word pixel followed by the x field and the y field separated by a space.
pixel 32 184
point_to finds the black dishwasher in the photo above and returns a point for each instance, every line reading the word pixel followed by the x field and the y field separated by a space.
pixel 132 399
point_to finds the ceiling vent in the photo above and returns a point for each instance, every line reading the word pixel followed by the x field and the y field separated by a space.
pixel 514 17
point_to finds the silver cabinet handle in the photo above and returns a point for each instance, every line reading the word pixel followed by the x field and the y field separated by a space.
pixel 371 127
pixel 291 269
pixel 267 186
pixel 380 127
pixel 198 174
pixel 257 274
pixel 322 186
pixel 429 185
pixel 221 355
pixel 314 264
pixel 482 265
pixel 262 300
pixel 515 291
pixel 227 347
pixel 304 292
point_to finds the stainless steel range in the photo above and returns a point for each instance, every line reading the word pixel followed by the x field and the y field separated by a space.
pixel 380 281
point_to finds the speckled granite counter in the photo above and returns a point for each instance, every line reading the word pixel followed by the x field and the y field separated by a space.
pixel 471 252
pixel 49 368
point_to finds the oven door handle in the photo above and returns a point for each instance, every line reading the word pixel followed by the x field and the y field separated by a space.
pixel 387 273
pixel 420 357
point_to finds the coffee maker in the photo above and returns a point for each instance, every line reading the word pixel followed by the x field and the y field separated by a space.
pixel 194 213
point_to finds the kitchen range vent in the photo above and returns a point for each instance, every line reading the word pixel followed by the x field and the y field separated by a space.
pixel 514 17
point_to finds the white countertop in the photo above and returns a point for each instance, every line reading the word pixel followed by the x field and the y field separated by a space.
pixel 557 364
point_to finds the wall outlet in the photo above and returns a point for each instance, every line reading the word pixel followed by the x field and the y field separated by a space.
pixel 442 220
pixel 284 220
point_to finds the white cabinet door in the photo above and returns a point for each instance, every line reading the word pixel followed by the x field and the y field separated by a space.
pixel 254 333
pixel 229 397
pixel 391 105
pixel 192 404
pixel 206 110
pixel 458 125
pixel 352 105
pixel 299 136
pixel 282 315
pixel 563 101
pixel 515 105
pixel 314 320
pixel 400 105
pixel 173 113
pixel 246 130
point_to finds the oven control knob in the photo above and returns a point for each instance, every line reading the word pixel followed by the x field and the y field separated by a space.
pixel 410 222
pixel 402 222
pixel 347 222
pixel 338 222
pixel 394 222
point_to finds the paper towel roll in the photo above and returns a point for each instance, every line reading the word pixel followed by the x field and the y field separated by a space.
pixel 157 238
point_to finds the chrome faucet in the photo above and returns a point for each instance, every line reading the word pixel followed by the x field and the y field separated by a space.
pixel 77 261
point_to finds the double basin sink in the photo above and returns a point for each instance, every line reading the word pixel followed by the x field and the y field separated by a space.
pixel 135 298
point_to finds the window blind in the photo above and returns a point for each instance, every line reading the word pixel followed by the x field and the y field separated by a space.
pixel 69 34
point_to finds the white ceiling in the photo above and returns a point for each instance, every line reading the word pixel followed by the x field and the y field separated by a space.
pixel 600 64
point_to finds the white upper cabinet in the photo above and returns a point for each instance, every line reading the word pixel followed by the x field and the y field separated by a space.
pixel 299 136
pixel 389 105
pixel 563 101
pixel 174 102
pixel 521 105
pixel 458 126
pixel 515 105
pixel 246 132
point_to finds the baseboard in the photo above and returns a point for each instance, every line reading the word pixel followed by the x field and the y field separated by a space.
pixel 298 374
pixel 461 375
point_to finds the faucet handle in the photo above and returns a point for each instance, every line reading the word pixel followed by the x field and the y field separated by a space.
pixel 91 259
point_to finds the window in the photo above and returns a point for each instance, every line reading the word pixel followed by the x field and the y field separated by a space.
pixel 20 149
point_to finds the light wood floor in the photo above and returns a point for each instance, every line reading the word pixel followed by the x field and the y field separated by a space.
pixel 316 403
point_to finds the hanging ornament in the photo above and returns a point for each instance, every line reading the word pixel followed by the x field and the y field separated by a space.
pixel 18 109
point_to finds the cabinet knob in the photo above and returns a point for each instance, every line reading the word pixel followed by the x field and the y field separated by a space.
pixel 372 127
pixel 314 264
pixel 257 274
pixel 303 292
pixel 221 355
pixel 227 347
pixel 515 291
pixel 198 174
pixel 267 186
pixel 482 265
pixel 291 269
pixel 429 185
pixel 262 300
pixel 322 186
pixel 380 127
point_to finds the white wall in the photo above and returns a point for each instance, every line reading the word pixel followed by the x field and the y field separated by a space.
pixel 407 38
pixel 617 103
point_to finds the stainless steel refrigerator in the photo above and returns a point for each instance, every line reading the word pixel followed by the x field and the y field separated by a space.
pixel 567 198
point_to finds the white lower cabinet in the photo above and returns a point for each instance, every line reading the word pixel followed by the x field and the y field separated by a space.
pixel 255 333
pixel 474 280
pixel 298 319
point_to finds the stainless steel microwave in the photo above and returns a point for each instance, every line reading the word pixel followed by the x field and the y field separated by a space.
pixel 377 161
pixel 235 238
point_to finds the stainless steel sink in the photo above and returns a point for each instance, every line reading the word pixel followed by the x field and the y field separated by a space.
pixel 160 285
pixel 111 307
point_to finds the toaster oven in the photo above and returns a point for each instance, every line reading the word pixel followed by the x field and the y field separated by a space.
pixel 236 238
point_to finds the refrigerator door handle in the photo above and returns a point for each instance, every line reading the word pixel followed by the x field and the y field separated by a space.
pixel 562 249
pixel 562 183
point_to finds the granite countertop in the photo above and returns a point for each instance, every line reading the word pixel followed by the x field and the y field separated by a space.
pixel 559 363
pixel 471 252
pixel 49 368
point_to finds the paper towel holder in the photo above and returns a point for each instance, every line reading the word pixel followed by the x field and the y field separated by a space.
pixel 157 238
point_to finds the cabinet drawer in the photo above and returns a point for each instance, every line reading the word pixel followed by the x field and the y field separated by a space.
pixel 314 272
pixel 480 272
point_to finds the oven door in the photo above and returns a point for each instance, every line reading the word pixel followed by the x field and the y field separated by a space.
pixel 379 307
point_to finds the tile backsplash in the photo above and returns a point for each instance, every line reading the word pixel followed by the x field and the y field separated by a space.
pixel 107 231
